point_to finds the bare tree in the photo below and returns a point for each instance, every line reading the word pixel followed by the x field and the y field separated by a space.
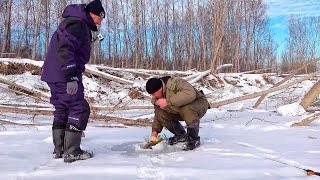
pixel 36 29
pixel 7 30
pixel 136 23
pixel 47 11
pixel 164 34
pixel 301 43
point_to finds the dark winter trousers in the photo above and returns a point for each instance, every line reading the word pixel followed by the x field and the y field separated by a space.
pixel 71 111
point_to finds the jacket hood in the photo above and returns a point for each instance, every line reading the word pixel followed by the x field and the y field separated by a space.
pixel 78 10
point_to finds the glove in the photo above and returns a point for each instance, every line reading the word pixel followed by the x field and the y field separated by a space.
pixel 154 136
pixel 72 87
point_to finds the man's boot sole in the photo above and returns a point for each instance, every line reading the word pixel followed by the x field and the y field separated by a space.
pixel 194 147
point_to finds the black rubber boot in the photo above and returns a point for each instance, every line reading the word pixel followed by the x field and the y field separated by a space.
pixel 179 133
pixel 193 140
pixel 177 139
pixel 58 142
pixel 73 152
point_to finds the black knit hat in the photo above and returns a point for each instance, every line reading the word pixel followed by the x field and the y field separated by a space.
pixel 96 8
pixel 153 85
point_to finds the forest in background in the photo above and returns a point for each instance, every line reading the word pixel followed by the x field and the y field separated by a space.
pixel 168 34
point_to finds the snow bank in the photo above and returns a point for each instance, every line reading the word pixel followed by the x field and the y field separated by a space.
pixel 290 110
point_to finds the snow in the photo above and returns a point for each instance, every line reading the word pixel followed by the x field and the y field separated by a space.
pixel 28 80
pixel 237 142
pixel 23 61
pixel 230 150
pixel 294 109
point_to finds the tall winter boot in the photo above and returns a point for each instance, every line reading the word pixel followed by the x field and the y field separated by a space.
pixel 72 149
pixel 58 141
pixel 179 133
pixel 193 140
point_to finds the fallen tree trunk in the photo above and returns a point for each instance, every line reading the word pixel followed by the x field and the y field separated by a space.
pixel 285 75
pixel 26 110
pixel 20 88
pixel 125 121
pixel 203 74
pixel 257 94
pixel 3 121
pixel 307 120
pixel 104 75
pixel 144 74
pixel 192 76
pixel 50 108
pixel 94 116
pixel 283 81
pixel 112 108
pixel 256 71
pixel 312 109
pixel 200 76
pixel 222 67
pixel 29 105
pixel 153 72
pixel 311 95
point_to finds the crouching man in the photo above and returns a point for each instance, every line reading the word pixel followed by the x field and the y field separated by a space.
pixel 177 100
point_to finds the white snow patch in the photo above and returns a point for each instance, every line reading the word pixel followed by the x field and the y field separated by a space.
pixel 290 110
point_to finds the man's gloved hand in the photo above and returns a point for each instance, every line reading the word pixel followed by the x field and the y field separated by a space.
pixel 154 136
pixel 72 87
pixel 154 139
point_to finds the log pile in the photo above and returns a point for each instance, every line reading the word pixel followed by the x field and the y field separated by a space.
pixel 107 73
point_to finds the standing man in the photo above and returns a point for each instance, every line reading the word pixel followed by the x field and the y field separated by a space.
pixel 174 100
pixel 68 52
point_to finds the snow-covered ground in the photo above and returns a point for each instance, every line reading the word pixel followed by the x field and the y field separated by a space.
pixel 238 142
pixel 235 145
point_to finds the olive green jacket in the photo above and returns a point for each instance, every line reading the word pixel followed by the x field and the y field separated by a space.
pixel 184 103
pixel 178 93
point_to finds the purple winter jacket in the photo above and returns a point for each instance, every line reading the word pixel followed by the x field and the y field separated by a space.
pixel 69 48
